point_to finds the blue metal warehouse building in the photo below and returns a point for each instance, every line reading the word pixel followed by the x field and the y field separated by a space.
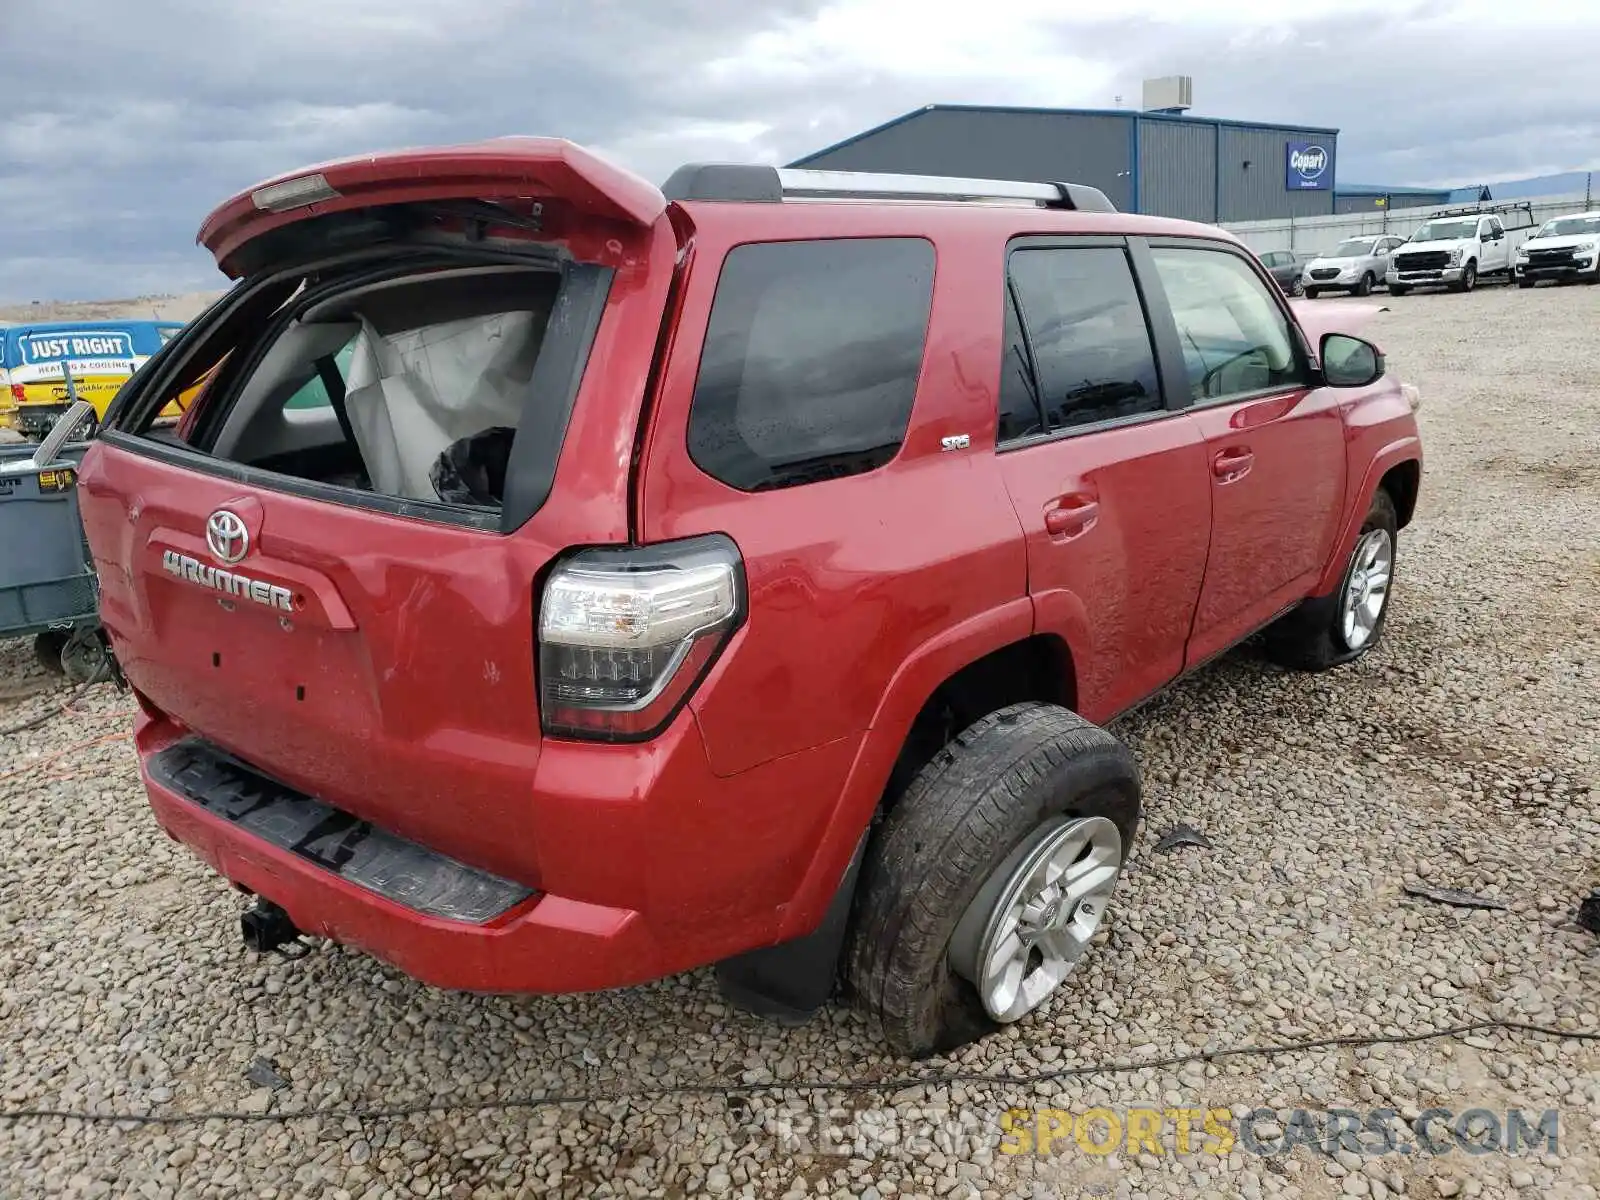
pixel 1197 168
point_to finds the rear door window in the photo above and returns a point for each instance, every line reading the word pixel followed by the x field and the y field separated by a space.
pixel 811 360
pixel 1085 352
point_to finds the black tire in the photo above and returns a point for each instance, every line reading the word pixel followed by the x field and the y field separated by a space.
pixel 1298 287
pixel 961 817
pixel 1528 283
pixel 85 658
pixel 1311 638
pixel 1364 288
pixel 1312 293
pixel 1398 289
pixel 47 647
pixel 1469 277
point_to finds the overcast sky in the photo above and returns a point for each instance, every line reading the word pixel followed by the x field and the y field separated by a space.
pixel 124 122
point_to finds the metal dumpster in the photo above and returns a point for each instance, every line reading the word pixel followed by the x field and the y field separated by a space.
pixel 47 583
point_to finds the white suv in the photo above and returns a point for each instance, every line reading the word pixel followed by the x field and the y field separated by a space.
pixel 1355 265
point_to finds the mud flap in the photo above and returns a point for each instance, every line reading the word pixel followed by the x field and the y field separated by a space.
pixel 791 981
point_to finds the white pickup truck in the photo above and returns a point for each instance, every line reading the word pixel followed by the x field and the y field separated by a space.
pixel 1458 248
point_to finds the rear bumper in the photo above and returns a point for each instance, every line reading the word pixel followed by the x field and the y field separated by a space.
pixel 545 945
pixel 679 905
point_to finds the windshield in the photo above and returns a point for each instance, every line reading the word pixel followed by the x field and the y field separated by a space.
pixel 1354 248
pixel 1568 226
pixel 1445 231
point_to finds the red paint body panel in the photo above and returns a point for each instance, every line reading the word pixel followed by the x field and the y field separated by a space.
pixel 1275 509
pixel 864 569
pixel 1119 586
pixel 414 641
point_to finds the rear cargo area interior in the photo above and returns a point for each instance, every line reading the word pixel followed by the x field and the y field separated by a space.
pixel 411 387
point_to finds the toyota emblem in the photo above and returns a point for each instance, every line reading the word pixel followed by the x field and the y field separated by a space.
pixel 226 536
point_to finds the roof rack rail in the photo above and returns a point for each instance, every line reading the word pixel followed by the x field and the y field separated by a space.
pixel 1472 210
pixel 755 183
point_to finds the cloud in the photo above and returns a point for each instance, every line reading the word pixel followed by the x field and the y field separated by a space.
pixel 126 123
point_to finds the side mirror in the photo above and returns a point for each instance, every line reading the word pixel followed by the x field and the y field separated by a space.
pixel 1350 362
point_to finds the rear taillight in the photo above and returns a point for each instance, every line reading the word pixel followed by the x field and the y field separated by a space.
pixel 625 634
pixel 17 392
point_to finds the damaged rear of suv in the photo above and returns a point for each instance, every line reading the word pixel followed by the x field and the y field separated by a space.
pixel 420 403
pixel 560 582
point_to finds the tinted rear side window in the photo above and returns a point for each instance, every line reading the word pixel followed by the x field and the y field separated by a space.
pixel 811 360
pixel 1085 324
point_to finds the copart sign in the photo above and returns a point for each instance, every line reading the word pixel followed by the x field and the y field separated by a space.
pixel 1307 167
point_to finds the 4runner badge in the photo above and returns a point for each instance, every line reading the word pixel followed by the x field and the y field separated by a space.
pixel 192 570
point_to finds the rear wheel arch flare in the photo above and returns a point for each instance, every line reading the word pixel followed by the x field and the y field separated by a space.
pixel 1039 668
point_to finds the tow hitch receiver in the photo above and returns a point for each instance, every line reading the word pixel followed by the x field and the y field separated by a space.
pixel 266 927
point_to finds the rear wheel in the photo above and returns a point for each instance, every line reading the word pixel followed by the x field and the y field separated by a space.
pixel 1364 288
pixel 990 876
pixel 1298 287
pixel 1327 630
pixel 84 658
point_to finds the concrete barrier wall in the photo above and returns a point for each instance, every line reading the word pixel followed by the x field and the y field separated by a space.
pixel 1317 235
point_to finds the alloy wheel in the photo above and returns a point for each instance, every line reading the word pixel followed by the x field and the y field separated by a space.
pixel 1032 920
pixel 1367 589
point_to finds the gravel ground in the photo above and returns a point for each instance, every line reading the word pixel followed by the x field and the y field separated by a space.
pixel 1464 753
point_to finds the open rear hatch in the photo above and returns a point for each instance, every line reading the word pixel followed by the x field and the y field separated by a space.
pixel 425 387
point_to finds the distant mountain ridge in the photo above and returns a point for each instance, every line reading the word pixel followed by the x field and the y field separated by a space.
pixel 144 308
pixel 1567 183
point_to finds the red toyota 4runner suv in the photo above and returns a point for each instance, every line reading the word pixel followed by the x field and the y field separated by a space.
pixel 560 582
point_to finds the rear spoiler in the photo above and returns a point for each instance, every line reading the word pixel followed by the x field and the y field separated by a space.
pixel 521 168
